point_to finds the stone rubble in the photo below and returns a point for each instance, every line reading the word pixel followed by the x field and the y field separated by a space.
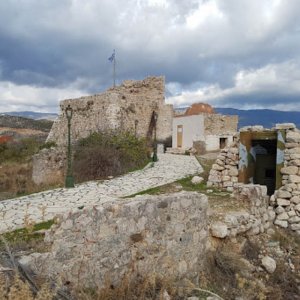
pixel 40 207
pixel 269 264
pixel 256 216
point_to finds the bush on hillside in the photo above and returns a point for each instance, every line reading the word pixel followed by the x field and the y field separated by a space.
pixel 109 154
pixel 19 151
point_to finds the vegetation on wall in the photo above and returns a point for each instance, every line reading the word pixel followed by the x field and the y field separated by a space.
pixel 109 154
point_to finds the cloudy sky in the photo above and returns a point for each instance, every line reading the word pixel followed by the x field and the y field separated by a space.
pixel 229 53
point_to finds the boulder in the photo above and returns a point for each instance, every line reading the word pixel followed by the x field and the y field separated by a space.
pixel 283 216
pixel 293 137
pixel 197 180
pixel 219 230
pixel 283 202
pixel 269 264
pixel 291 170
pixel 295 199
pixel 283 194
pixel 283 224
pixel 285 126
pixel 294 179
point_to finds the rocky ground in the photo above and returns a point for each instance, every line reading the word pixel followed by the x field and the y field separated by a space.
pixel 261 265
pixel 40 207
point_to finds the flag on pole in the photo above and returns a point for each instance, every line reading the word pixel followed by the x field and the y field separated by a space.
pixel 112 57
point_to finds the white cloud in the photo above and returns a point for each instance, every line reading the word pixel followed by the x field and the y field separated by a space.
pixel 24 97
pixel 263 86
pixel 207 49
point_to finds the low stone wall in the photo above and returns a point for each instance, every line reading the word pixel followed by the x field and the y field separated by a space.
pixel 224 172
pixel 255 217
pixel 166 235
pixel 49 166
pixel 286 200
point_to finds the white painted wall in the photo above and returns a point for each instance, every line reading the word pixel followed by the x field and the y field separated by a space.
pixel 193 130
pixel 212 142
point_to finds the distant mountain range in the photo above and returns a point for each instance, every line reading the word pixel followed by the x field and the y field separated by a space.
pixel 16 122
pixel 31 115
pixel 265 117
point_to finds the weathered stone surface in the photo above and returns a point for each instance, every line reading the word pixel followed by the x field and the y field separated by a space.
pixel 197 180
pixel 292 170
pixel 294 179
pixel 293 137
pixel 269 264
pixel 283 202
pixel 283 216
pixel 285 126
pixel 144 234
pixel 49 166
pixel 280 223
pixel 233 172
pixel 295 199
pixel 297 207
pixel 217 167
pixel 295 226
pixel 219 230
pixel 283 194
pixel 294 219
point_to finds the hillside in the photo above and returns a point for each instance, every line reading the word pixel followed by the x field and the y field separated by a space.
pixel 25 123
pixel 32 115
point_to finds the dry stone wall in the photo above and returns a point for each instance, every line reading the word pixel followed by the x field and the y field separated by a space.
pixel 286 200
pixel 255 216
pixel 128 107
pixel 224 172
pixel 164 234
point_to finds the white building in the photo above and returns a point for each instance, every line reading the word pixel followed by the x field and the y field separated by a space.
pixel 204 131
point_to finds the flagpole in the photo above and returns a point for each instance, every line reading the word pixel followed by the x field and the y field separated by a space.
pixel 114 71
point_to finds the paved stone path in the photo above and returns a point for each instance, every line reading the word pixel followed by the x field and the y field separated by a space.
pixel 14 213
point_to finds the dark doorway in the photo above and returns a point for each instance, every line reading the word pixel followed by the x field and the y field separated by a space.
pixel 264 152
pixel 223 143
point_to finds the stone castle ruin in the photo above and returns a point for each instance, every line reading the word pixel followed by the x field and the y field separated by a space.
pixel 127 107
pixel 269 157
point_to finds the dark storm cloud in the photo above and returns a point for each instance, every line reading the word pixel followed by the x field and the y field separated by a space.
pixel 217 51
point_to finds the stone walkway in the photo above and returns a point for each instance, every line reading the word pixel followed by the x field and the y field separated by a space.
pixel 14 213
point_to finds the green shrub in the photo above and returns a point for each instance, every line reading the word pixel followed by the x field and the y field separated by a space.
pixel 109 154
pixel 48 145
pixel 19 150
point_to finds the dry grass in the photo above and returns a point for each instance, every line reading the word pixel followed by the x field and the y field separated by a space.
pixel 16 180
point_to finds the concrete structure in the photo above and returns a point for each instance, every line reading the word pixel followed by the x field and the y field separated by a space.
pixel 210 131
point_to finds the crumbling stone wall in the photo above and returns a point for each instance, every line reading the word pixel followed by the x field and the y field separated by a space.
pixel 224 172
pixel 164 234
pixel 255 215
pixel 286 200
pixel 216 124
pixel 49 166
pixel 128 107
